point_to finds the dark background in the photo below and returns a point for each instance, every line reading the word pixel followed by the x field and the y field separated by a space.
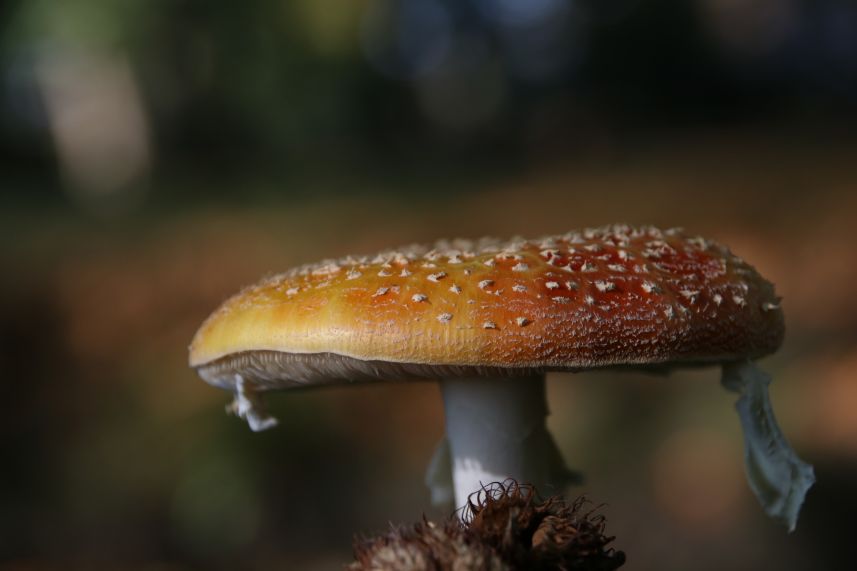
pixel 157 155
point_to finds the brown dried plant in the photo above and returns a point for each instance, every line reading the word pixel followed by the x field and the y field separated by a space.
pixel 506 526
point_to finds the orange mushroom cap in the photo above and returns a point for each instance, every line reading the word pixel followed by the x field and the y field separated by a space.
pixel 613 296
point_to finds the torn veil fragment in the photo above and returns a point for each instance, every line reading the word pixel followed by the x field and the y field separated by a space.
pixel 776 475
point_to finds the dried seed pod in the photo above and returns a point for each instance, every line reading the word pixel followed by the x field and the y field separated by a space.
pixel 507 527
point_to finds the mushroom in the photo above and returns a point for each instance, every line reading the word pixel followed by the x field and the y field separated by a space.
pixel 489 318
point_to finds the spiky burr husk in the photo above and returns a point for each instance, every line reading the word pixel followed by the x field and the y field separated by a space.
pixel 505 527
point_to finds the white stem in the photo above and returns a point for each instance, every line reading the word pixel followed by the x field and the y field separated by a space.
pixel 496 430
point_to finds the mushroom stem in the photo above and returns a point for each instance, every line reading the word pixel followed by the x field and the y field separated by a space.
pixel 496 430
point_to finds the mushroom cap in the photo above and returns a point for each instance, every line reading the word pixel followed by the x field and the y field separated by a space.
pixel 616 296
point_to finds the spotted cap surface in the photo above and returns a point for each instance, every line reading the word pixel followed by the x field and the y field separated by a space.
pixel 612 296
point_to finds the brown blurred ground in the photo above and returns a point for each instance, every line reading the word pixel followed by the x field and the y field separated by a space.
pixel 117 457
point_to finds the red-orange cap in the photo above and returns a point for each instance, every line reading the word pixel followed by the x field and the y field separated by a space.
pixel 613 296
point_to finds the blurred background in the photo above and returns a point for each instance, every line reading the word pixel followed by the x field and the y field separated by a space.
pixel 157 155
